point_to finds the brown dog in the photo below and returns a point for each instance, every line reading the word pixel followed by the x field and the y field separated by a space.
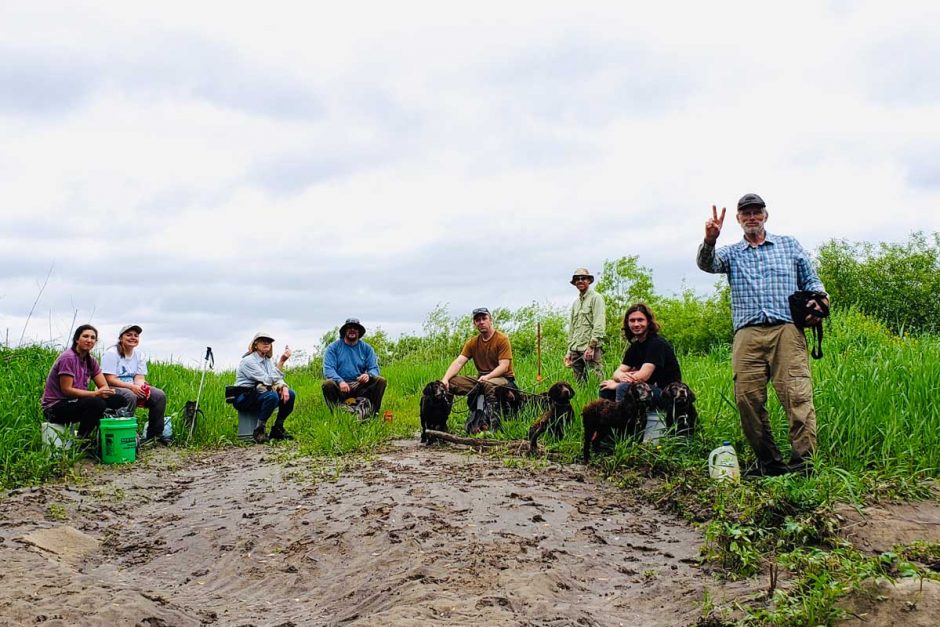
pixel 436 403
pixel 679 402
pixel 604 419
pixel 557 416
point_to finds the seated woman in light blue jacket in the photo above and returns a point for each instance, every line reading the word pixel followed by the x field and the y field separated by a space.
pixel 265 389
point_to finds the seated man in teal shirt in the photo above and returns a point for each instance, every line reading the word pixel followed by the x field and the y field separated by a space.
pixel 351 369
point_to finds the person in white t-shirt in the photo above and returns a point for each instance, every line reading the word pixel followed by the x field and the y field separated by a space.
pixel 125 369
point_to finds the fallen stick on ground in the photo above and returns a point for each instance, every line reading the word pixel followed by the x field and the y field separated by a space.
pixel 478 442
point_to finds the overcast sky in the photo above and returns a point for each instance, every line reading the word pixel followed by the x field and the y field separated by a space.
pixel 207 171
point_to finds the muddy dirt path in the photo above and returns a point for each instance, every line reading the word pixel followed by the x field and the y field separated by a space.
pixel 411 536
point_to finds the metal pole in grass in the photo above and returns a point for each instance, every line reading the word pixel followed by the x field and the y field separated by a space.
pixel 205 364
pixel 538 351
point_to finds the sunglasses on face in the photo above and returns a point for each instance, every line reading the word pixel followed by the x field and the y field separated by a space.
pixel 582 278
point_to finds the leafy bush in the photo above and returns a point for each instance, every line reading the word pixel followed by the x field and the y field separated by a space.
pixel 896 283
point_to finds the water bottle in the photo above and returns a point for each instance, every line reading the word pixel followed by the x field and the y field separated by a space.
pixel 723 463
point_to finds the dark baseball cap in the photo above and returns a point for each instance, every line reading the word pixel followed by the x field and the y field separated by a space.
pixel 750 200
pixel 480 311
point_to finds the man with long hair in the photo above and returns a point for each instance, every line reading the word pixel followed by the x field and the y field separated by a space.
pixel 649 358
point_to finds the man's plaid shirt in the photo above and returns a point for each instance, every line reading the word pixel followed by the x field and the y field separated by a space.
pixel 761 277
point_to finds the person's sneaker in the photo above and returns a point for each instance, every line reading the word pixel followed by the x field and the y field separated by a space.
pixel 278 433
pixel 155 440
pixel 259 435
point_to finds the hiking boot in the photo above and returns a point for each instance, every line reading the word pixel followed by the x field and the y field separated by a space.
pixel 800 465
pixel 475 422
pixel 774 469
pixel 259 435
pixel 278 433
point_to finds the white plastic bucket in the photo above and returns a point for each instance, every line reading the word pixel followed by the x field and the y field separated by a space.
pixel 655 427
pixel 57 436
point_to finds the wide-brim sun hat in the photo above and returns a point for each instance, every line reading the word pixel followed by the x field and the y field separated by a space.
pixel 582 272
pixel 352 322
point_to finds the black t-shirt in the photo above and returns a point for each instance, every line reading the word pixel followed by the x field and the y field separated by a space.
pixel 657 351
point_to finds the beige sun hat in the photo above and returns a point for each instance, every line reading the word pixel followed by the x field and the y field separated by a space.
pixel 582 272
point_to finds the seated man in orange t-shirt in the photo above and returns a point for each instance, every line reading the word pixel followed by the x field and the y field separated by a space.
pixel 491 353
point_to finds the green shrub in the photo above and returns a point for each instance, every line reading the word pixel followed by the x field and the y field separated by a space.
pixel 896 283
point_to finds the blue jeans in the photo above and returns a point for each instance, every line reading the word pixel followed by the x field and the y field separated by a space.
pixel 264 405
pixel 621 391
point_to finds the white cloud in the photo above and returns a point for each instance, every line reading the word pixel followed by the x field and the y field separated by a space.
pixel 206 169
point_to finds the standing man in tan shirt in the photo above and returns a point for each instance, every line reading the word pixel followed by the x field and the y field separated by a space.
pixel 587 329
pixel 491 353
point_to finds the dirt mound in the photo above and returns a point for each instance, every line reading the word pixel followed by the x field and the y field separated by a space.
pixel 414 535
pixel 879 529
pixel 909 602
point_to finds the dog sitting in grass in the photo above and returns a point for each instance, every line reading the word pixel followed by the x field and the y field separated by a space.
pixel 604 419
pixel 679 403
pixel 436 403
pixel 557 416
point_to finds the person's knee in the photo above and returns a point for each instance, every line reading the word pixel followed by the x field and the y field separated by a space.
pixel 157 396
pixel 127 397
pixel 118 401
pixel 331 392
pixel 269 399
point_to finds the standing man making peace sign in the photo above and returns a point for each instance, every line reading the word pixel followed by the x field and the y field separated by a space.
pixel 763 270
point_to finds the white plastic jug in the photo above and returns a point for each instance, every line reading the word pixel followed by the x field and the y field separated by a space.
pixel 723 463
pixel 655 427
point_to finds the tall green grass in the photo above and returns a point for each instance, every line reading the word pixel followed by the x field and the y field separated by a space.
pixel 876 399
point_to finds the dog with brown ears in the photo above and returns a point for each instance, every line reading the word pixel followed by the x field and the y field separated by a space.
pixel 434 410
pixel 556 417
pixel 604 419
pixel 679 402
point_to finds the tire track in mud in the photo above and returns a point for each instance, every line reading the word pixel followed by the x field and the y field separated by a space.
pixel 412 535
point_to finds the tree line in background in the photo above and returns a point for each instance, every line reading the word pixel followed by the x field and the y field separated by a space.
pixel 895 283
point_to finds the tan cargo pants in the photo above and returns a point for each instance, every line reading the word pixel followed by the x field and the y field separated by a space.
pixel 778 354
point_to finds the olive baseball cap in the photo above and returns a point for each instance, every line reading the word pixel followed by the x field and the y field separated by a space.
pixel 750 200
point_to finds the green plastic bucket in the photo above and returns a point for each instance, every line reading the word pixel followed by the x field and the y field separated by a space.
pixel 118 440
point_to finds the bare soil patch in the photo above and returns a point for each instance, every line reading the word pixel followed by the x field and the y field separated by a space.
pixel 880 529
pixel 414 535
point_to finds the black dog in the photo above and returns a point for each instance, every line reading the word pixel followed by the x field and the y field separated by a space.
pixel 604 419
pixel 436 402
pixel 557 416
pixel 679 403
